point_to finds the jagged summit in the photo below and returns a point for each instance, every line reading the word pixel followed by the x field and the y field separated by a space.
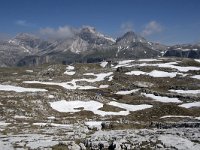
pixel 26 35
pixel 22 37
pixel 88 29
pixel 29 42
pixel 130 37
pixel 90 34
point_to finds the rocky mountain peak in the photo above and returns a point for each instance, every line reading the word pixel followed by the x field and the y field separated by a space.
pixel 130 37
pixel 29 42
pixel 92 36
pixel 88 29
pixel 25 36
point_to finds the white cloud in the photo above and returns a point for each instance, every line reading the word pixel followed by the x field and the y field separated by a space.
pixel 23 23
pixel 126 26
pixel 60 32
pixel 151 28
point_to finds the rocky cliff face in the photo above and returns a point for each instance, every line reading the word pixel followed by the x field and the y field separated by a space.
pixel 131 45
pixel 186 51
pixel 10 53
pixel 90 35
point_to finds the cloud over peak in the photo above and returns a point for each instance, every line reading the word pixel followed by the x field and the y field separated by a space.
pixel 60 32
pixel 126 26
pixel 151 28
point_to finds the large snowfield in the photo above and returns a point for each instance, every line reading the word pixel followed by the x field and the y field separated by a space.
pixel 94 106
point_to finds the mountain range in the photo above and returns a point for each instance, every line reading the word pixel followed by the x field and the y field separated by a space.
pixel 86 45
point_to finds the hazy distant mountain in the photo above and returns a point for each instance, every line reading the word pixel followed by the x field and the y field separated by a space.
pixel 30 43
pixel 86 45
pixel 130 37
pixel 185 50
pixel 132 45
pixel 10 53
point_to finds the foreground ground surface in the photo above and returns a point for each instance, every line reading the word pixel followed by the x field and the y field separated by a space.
pixel 134 104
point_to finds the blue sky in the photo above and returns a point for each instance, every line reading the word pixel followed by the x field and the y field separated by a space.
pixel 165 21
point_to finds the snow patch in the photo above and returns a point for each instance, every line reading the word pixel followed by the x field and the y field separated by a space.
pixel 69 70
pixel 174 116
pixel 70 73
pixel 51 118
pixel 190 105
pixel 180 68
pixel 127 92
pixel 21 117
pixel 2 123
pixel 149 60
pixel 154 73
pixel 67 85
pixel 137 73
pixel 53 125
pixel 110 78
pixel 197 118
pixel 103 86
pixel 103 64
pixel 50 96
pixel 172 65
pixel 162 99
pixel 99 77
pixel 196 77
pixel 29 71
pixel 94 106
pixel 197 60
pixel 72 84
pixel 94 124
pixel 129 107
pixel 20 89
pixel 186 91
pixel 69 67
pixel 123 63
pixel 73 106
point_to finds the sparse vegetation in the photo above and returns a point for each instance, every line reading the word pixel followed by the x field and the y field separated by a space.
pixel 29 112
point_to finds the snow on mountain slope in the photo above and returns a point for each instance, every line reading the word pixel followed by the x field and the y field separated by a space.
pixel 78 45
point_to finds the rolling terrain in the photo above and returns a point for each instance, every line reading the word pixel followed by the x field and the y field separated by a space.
pixel 127 103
